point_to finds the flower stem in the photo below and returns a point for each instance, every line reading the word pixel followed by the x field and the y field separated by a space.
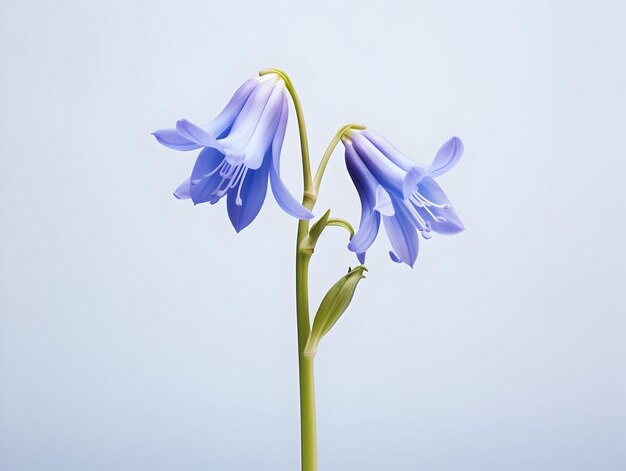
pixel 304 141
pixel 338 222
pixel 305 363
pixel 308 437
pixel 319 174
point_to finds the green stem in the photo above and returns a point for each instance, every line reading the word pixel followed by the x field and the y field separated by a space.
pixel 303 256
pixel 338 222
pixel 317 181
pixel 304 141
pixel 308 437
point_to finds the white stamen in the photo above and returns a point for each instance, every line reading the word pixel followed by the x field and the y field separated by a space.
pixel 426 202
pixel 225 172
pixel 436 218
pixel 422 225
pixel 232 175
pixel 237 176
pixel 238 200
pixel 422 202
pixel 415 201
pixel 219 192
pixel 221 164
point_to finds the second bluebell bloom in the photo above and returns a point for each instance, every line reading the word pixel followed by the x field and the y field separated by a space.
pixel 401 191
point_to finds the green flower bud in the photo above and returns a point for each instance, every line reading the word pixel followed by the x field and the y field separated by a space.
pixel 334 304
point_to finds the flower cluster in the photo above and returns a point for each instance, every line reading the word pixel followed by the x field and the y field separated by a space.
pixel 240 152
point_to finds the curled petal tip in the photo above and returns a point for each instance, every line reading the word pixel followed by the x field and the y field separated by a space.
pixel 394 257
pixel 361 257
pixel 397 259
pixel 195 134
pixel 172 139
pixel 447 157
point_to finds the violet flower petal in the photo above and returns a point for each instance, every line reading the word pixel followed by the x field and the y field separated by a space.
pixel 282 195
pixel 246 122
pixel 170 138
pixel 403 236
pixel 391 151
pixel 447 157
pixel 234 106
pixel 365 236
pixel 183 192
pixel 442 220
pixel 393 178
pixel 265 131
pixel 187 130
pixel 205 176
pixel 244 203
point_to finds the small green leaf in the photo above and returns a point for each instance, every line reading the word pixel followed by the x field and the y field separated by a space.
pixel 308 244
pixel 316 229
pixel 334 304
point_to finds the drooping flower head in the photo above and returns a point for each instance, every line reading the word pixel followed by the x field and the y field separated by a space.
pixel 403 192
pixel 240 152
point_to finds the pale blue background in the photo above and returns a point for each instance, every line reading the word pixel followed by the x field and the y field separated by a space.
pixel 139 333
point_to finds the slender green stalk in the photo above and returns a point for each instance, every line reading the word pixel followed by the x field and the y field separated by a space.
pixel 317 181
pixel 305 363
pixel 338 222
pixel 304 141
pixel 308 432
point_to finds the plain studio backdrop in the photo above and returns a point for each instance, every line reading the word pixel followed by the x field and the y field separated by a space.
pixel 138 332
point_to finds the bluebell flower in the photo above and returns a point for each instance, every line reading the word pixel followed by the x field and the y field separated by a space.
pixel 240 152
pixel 403 192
